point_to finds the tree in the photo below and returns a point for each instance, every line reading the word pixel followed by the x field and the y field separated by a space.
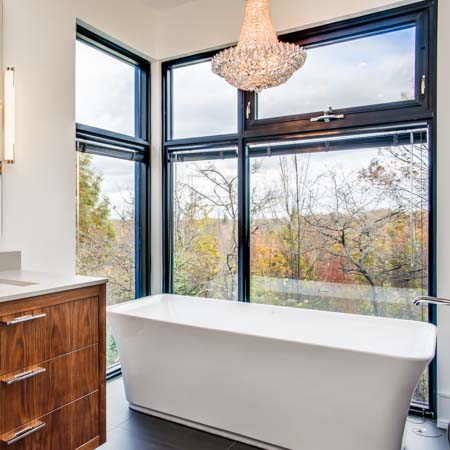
pixel 121 265
pixel 353 230
pixel 95 229
pixel 205 229
pixel 105 244
pixel 402 172
pixel 221 197
pixel 196 254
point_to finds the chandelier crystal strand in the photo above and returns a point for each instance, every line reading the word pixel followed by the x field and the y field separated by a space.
pixel 260 60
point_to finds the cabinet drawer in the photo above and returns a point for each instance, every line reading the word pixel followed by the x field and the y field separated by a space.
pixel 23 339
pixel 41 334
pixel 40 389
pixel 67 428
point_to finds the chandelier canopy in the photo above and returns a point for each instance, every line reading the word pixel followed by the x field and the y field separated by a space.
pixel 260 60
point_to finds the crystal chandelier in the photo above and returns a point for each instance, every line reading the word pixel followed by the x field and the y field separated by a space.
pixel 260 60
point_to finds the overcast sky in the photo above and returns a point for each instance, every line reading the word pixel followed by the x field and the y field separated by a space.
pixel 371 70
pixel 104 90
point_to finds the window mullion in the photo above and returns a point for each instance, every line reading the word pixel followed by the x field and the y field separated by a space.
pixel 243 204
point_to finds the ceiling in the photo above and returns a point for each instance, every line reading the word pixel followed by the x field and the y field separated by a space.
pixel 166 4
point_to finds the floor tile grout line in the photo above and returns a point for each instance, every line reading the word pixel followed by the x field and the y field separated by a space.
pixel 152 440
pixel 120 423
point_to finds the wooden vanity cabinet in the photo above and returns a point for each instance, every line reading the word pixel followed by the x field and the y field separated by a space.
pixel 52 371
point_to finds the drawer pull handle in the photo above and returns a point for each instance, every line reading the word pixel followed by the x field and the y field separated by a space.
pixel 22 434
pixel 24 375
pixel 24 319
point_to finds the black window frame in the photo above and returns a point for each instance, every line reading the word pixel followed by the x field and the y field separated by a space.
pixel 421 15
pixel 98 141
pixel 358 120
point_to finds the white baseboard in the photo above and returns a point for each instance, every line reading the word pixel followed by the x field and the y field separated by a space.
pixel 443 410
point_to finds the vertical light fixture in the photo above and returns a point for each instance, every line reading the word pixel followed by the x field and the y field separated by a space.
pixel 9 116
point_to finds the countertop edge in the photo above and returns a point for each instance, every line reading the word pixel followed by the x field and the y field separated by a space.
pixel 53 290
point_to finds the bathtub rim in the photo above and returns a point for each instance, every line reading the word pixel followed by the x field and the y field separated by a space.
pixel 430 355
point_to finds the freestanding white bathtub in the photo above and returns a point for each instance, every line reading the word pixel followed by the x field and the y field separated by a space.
pixel 272 376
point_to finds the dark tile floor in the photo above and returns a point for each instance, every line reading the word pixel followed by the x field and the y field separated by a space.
pixel 129 430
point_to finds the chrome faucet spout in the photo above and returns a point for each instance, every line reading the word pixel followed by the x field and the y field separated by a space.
pixel 431 301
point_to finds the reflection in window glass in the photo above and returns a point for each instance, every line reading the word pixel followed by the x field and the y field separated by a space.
pixel 367 71
pixel 343 231
pixel 106 228
pixel 105 90
pixel 205 232
pixel 203 103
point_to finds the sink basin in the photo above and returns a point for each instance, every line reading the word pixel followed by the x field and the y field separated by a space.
pixel 16 283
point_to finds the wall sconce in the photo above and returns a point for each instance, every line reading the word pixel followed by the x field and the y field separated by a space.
pixel 9 116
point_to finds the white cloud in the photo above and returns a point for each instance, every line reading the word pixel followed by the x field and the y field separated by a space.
pixel 104 90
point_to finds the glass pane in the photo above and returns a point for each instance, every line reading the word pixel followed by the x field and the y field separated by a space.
pixel 203 103
pixel 343 231
pixel 105 90
pixel 366 71
pixel 205 228
pixel 106 228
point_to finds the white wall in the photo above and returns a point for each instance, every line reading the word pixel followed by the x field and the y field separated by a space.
pixel 205 24
pixel 156 200
pixel 443 219
pixel 39 40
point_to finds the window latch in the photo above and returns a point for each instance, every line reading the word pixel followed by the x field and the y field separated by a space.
pixel 327 116
pixel 248 111
pixel 423 85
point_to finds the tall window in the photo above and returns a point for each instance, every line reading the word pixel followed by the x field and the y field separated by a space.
pixel 205 221
pixel 345 229
pixel 277 205
pixel 112 133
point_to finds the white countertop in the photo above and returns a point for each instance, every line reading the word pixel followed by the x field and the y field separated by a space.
pixel 45 283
